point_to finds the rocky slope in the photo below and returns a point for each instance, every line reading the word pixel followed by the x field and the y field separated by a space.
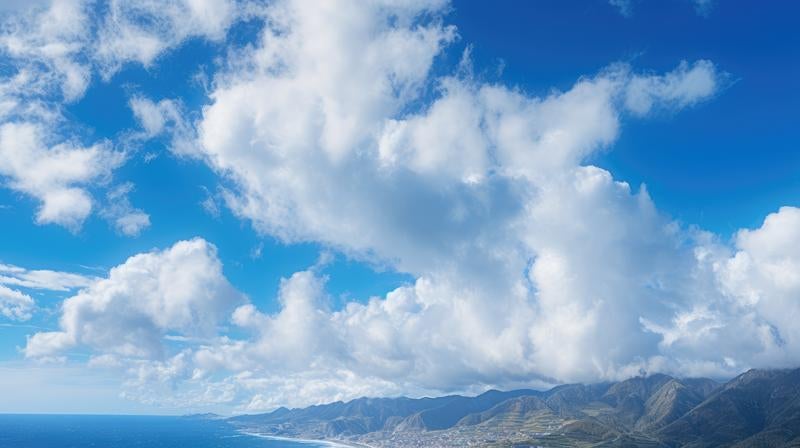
pixel 757 408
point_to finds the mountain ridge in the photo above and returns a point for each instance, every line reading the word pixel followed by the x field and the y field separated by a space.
pixel 756 408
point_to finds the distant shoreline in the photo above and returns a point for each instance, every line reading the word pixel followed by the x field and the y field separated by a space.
pixel 329 442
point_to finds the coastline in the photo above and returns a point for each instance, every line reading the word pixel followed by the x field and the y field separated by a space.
pixel 333 443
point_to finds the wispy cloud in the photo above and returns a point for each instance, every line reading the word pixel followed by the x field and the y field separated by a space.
pixel 43 278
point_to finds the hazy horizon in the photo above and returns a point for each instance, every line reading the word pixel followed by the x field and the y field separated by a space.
pixel 146 411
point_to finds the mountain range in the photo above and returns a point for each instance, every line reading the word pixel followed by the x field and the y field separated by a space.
pixel 759 408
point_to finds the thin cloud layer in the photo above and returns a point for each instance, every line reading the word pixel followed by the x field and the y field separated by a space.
pixel 17 304
pixel 126 219
pixel 42 278
pixel 626 7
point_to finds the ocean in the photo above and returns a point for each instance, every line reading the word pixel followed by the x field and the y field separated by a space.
pixel 102 431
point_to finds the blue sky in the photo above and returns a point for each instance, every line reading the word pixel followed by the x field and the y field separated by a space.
pixel 478 244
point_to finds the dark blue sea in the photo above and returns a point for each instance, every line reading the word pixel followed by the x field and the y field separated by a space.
pixel 83 431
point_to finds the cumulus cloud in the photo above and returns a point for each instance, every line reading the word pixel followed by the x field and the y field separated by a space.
pixel 531 266
pixel 744 310
pixel 449 332
pixel 457 173
pixel 528 263
pixel 180 289
pixel 293 159
pixel 762 279
pixel 56 175
pixel 687 299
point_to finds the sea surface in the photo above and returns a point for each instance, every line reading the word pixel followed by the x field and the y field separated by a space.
pixel 102 431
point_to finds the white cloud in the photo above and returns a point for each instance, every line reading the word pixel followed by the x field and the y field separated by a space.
pixel 141 31
pixel 47 45
pixel 56 46
pixel 745 310
pixel 518 250
pixel 132 223
pixel 43 47
pixel 762 277
pixel 56 175
pixel 165 117
pixel 685 86
pixel 52 50
pixel 530 266
pixel 455 173
pixel 210 203
pixel 452 333
pixel 180 289
pixel 15 304
pixel 125 218
pixel 42 278
pixel 150 115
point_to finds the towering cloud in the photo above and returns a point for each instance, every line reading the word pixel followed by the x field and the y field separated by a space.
pixel 530 265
